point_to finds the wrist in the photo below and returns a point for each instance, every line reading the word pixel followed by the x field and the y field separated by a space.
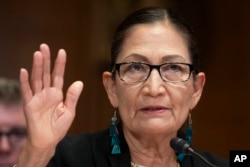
pixel 30 156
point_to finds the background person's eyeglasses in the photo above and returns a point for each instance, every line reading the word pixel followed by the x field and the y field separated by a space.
pixel 134 72
pixel 15 136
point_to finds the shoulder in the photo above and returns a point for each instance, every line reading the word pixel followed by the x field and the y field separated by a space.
pixel 83 139
pixel 195 161
pixel 74 150
pixel 216 160
pixel 85 143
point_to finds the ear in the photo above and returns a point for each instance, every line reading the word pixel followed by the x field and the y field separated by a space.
pixel 110 88
pixel 198 84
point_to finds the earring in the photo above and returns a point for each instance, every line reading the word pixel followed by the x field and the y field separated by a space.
pixel 188 137
pixel 189 133
pixel 113 133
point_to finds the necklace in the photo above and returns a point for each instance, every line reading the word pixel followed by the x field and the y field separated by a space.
pixel 137 165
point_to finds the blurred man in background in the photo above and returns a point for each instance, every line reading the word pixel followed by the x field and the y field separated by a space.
pixel 12 122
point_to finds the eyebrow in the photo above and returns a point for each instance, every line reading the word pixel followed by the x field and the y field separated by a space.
pixel 173 58
pixel 166 58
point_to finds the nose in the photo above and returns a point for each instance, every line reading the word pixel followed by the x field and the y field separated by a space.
pixel 154 85
pixel 4 144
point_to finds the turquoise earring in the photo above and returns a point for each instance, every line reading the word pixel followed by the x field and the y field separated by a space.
pixel 188 137
pixel 113 133
pixel 189 132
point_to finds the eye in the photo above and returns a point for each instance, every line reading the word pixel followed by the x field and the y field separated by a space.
pixel 18 132
pixel 136 67
pixel 173 68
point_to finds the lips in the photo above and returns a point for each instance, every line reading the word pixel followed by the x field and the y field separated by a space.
pixel 154 109
pixel 5 164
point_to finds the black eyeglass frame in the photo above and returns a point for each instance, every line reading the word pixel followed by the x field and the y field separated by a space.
pixel 15 136
pixel 157 67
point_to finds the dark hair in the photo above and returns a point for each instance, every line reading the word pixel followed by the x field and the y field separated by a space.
pixel 151 15
pixel 10 93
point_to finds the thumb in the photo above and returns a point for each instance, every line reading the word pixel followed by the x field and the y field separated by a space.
pixel 73 94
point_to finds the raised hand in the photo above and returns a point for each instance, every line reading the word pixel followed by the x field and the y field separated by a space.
pixel 48 115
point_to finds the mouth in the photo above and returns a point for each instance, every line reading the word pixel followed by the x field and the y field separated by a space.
pixel 5 160
pixel 5 164
pixel 154 109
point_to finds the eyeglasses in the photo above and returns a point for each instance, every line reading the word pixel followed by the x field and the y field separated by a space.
pixel 15 136
pixel 134 72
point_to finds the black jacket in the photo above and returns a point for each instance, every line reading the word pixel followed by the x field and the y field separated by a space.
pixel 94 150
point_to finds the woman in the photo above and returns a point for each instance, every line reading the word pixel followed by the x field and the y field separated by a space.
pixel 153 84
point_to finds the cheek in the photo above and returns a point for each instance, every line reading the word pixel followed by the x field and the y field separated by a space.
pixel 127 98
pixel 181 96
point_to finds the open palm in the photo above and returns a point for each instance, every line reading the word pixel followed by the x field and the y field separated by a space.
pixel 48 115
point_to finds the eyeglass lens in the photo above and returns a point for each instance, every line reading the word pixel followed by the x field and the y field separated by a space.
pixel 171 72
pixel 14 135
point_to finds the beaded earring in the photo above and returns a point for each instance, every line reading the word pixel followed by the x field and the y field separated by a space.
pixel 189 133
pixel 113 133
pixel 188 137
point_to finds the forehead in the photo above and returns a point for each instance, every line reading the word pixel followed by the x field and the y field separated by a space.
pixel 11 116
pixel 156 42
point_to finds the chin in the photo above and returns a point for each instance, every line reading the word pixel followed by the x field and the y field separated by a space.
pixel 157 128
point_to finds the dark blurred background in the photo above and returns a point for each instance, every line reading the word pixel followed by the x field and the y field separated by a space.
pixel 85 28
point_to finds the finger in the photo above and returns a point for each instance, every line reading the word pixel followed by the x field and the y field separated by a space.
pixel 58 73
pixel 36 73
pixel 25 85
pixel 73 95
pixel 46 65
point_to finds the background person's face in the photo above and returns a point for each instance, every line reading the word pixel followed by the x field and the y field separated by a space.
pixel 12 122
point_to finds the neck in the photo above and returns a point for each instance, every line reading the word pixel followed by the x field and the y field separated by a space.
pixel 150 151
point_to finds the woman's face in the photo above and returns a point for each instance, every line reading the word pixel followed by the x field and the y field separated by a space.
pixel 154 106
